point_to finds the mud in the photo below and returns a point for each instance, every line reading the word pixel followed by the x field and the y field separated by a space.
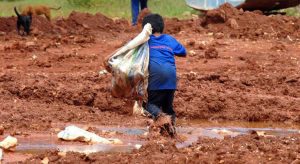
pixel 241 66
pixel 34 147
pixel 241 149
pixel 244 24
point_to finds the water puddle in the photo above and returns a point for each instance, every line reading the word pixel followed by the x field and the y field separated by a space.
pixel 241 124
pixel 36 143
pixel 130 136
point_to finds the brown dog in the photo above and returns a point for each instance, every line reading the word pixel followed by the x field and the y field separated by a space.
pixel 39 10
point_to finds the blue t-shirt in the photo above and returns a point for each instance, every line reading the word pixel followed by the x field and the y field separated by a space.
pixel 162 69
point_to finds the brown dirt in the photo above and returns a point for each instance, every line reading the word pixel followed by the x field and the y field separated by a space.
pixel 53 77
pixel 142 14
pixel 244 24
pixel 38 23
pixel 241 149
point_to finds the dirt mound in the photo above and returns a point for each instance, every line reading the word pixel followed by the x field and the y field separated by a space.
pixel 91 22
pixel 7 24
pixel 244 24
pixel 42 24
pixel 174 25
pixel 142 15
pixel 39 23
pixel 74 23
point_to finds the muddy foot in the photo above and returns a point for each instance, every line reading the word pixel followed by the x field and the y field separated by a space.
pixel 163 126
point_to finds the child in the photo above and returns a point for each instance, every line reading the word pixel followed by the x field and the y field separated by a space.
pixel 162 71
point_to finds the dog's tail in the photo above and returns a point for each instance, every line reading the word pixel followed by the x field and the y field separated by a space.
pixel 16 11
pixel 52 8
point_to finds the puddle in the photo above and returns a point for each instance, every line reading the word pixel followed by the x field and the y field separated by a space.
pixel 124 130
pixel 36 143
pixel 204 128
pixel 192 130
pixel 241 124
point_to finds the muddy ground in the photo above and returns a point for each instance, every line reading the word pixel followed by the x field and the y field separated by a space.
pixel 241 66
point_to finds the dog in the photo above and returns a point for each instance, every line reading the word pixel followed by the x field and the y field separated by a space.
pixel 39 10
pixel 24 21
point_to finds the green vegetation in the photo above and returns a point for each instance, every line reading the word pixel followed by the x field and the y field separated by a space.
pixel 295 11
pixel 111 8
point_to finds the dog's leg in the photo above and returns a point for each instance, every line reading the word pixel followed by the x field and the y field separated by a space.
pixel 18 27
pixel 48 15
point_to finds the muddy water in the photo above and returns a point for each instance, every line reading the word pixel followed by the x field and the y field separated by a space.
pixel 192 130
pixel 242 124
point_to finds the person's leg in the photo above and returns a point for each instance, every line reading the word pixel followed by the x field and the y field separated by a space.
pixel 154 103
pixel 167 105
pixel 143 4
pixel 134 11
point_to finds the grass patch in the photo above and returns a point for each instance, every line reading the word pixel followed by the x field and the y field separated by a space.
pixel 294 11
pixel 111 8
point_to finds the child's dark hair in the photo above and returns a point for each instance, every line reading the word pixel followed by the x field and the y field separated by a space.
pixel 156 22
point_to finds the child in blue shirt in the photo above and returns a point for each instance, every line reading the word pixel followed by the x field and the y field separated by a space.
pixel 162 70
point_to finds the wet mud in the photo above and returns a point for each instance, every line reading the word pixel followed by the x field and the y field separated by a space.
pixel 241 66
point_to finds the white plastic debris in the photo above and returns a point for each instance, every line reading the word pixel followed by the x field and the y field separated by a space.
pixel 45 160
pixel 34 57
pixel 103 72
pixel 263 134
pixel 137 146
pixel 138 109
pixel 73 133
pixel 225 132
pixel 9 143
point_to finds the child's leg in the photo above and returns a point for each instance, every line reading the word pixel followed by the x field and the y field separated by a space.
pixel 154 102
pixel 135 11
pixel 167 105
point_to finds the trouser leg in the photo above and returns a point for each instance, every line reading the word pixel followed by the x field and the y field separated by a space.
pixel 167 106
pixel 134 11
pixel 143 4
pixel 154 103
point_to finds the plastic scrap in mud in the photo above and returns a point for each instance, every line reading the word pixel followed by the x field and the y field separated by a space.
pixel 103 72
pixel 9 143
pixel 45 160
pixel 225 132
pixel 73 133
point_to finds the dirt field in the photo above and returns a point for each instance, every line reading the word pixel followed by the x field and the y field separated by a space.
pixel 241 66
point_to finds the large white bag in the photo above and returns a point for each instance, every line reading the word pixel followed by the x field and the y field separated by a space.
pixel 129 67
